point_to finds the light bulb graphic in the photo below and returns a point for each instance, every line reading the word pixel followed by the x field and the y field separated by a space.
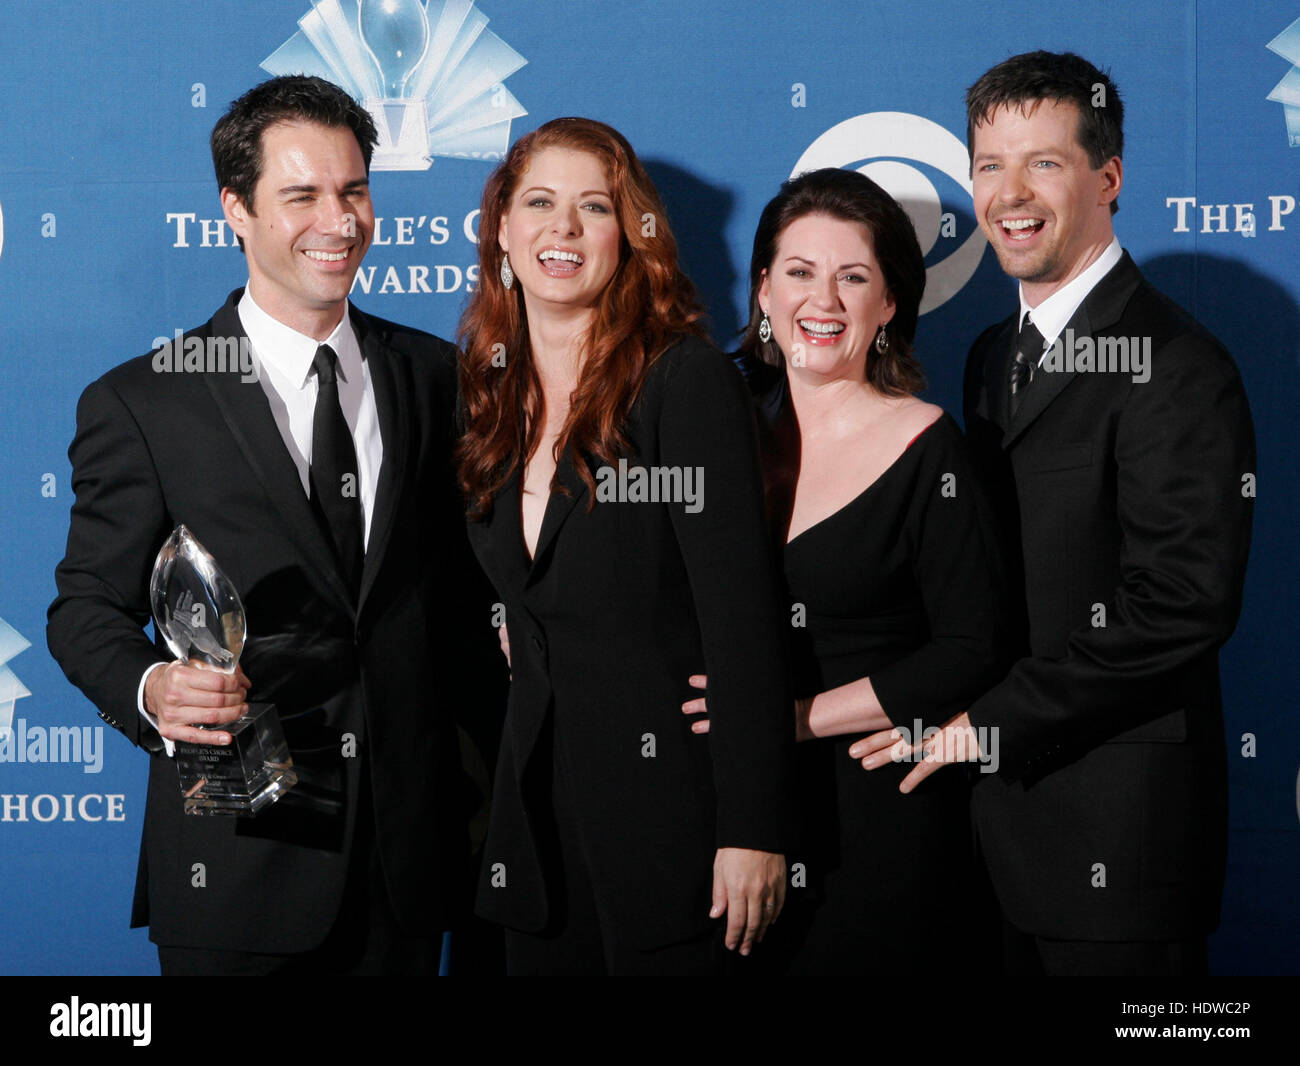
pixel 396 34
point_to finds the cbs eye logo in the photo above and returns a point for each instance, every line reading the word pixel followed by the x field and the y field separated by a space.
pixel 883 138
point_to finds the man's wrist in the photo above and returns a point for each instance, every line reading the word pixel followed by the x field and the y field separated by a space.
pixel 168 745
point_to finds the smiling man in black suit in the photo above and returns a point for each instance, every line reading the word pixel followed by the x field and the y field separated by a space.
pixel 1116 438
pixel 322 486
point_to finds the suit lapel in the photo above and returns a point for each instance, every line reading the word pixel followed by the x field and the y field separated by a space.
pixel 499 542
pixel 1101 309
pixel 392 404
pixel 1047 386
pixel 244 407
pixel 499 538
pixel 558 508
pixel 995 399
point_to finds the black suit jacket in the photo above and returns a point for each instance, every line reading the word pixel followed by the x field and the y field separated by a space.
pixel 156 449
pixel 1126 519
pixel 622 603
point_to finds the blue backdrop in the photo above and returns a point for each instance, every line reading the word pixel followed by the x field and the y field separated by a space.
pixel 110 237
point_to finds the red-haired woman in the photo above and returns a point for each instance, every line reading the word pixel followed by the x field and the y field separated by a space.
pixel 615 501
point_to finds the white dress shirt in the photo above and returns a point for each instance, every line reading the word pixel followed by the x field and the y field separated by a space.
pixel 1052 314
pixel 283 358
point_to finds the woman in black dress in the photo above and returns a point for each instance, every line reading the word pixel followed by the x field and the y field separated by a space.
pixel 890 566
pixel 616 504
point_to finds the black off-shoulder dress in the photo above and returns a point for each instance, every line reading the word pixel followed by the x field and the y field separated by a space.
pixel 901 585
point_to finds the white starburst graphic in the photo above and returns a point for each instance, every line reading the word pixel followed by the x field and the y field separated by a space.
pixel 1287 91
pixel 431 75
pixel 11 689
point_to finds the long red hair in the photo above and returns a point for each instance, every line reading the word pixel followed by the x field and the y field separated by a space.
pixel 647 304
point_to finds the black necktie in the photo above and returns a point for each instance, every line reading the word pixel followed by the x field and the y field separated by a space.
pixel 335 483
pixel 1029 349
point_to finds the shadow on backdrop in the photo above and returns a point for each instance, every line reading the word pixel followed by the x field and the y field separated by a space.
pixel 1259 323
pixel 699 212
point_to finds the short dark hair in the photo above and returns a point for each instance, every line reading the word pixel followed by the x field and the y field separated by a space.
pixel 237 136
pixel 1024 80
pixel 851 197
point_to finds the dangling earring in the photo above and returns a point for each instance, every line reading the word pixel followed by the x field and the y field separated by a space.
pixel 882 341
pixel 765 329
pixel 507 275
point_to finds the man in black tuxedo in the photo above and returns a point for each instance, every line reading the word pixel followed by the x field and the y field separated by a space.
pixel 1118 445
pixel 321 483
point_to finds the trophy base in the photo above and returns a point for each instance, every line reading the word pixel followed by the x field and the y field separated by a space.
pixel 243 777
pixel 403 129
pixel 1293 125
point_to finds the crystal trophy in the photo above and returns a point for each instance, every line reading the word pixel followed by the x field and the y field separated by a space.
pixel 198 613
